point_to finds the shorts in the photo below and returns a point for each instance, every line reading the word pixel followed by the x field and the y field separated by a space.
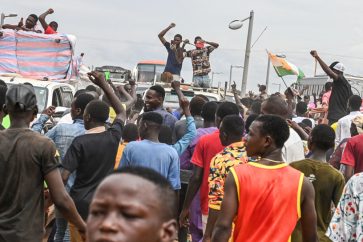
pixel 201 81
pixel 177 78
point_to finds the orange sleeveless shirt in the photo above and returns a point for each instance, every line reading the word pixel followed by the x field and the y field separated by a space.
pixel 269 202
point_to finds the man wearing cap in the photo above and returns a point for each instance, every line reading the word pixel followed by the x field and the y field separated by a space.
pixel 27 160
pixel 341 90
pixel 200 61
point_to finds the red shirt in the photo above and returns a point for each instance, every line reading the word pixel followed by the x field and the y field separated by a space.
pixel 207 147
pixel 353 153
pixel 269 202
pixel 49 30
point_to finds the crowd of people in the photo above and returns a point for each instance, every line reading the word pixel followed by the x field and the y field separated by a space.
pixel 276 167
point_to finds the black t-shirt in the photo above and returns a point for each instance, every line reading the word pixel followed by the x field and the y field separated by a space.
pixel 93 158
pixel 25 158
pixel 339 98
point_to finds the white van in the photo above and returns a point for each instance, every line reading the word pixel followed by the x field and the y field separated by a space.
pixel 49 93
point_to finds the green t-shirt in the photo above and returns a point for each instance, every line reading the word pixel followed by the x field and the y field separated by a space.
pixel 328 184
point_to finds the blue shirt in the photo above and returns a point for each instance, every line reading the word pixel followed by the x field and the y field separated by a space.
pixel 181 145
pixel 168 119
pixel 157 156
pixel 62 134
pixel 172 64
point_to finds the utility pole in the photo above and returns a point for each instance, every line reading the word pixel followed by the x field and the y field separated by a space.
pixel 268 72
pixel 247 55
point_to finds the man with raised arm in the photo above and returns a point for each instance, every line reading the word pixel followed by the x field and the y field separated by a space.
pixel 50 28
pixel 341 90
pixel 92 155
pixel 200 61
pixel 174 62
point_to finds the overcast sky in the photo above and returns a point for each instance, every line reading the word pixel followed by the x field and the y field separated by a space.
pixel 121 33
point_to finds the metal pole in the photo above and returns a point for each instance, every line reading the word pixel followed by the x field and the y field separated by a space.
pixel 316 66
pixel 212 79
pixel 268 73
pixel 230 78
pixel 225 89
pixel 247 55
pixel 2 20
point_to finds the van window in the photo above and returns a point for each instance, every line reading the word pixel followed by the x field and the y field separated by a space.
pixel 57 98
pixel 67 99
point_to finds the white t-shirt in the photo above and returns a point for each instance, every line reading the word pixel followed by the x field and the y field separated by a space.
pixel 293 149
pixel 343 128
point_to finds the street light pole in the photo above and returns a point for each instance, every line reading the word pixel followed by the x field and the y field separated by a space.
pixel 230 73
pixel 3 16
pixel 268 72
pixel 247 55
pixel 230 77
pixel 214 73
pixel 237 24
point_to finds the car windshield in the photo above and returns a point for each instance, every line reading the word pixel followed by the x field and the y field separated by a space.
pixel 173 98
pixel 211 98
pixel 41 93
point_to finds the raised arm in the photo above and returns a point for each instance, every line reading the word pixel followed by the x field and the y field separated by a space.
pixel 181 145
pixel 43 16
pixel 99 79
pixel 301 132
pixel 129 100
pixel 324 66
pixel 235 94
pixel 215 45
pixel 114 88
pixel 162 33
pixel 133 93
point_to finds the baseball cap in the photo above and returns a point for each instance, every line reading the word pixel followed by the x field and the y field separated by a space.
pixel 21 97
pixel 339 67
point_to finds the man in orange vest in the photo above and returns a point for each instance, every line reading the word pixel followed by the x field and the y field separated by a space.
pixel 266 198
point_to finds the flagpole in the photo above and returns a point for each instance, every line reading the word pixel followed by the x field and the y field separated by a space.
pixel 284 81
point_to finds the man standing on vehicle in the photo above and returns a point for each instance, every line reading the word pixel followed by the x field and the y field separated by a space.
pixel 174 62
pixel 200 61
pixel 30 24
pixel 341 89
pixel 50 28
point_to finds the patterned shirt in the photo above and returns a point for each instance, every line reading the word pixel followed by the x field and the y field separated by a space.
pixel 347 222
pixel 200 60
pixel 233 155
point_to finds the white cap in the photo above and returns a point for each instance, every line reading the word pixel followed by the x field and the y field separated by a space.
pixel 339 67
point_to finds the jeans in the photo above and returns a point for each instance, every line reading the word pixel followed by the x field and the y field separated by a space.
pixel 201 81
pixel 62 232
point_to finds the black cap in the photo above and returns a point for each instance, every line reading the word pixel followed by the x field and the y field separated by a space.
pixel 21 97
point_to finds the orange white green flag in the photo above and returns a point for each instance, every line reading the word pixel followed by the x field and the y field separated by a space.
pixel 284 67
